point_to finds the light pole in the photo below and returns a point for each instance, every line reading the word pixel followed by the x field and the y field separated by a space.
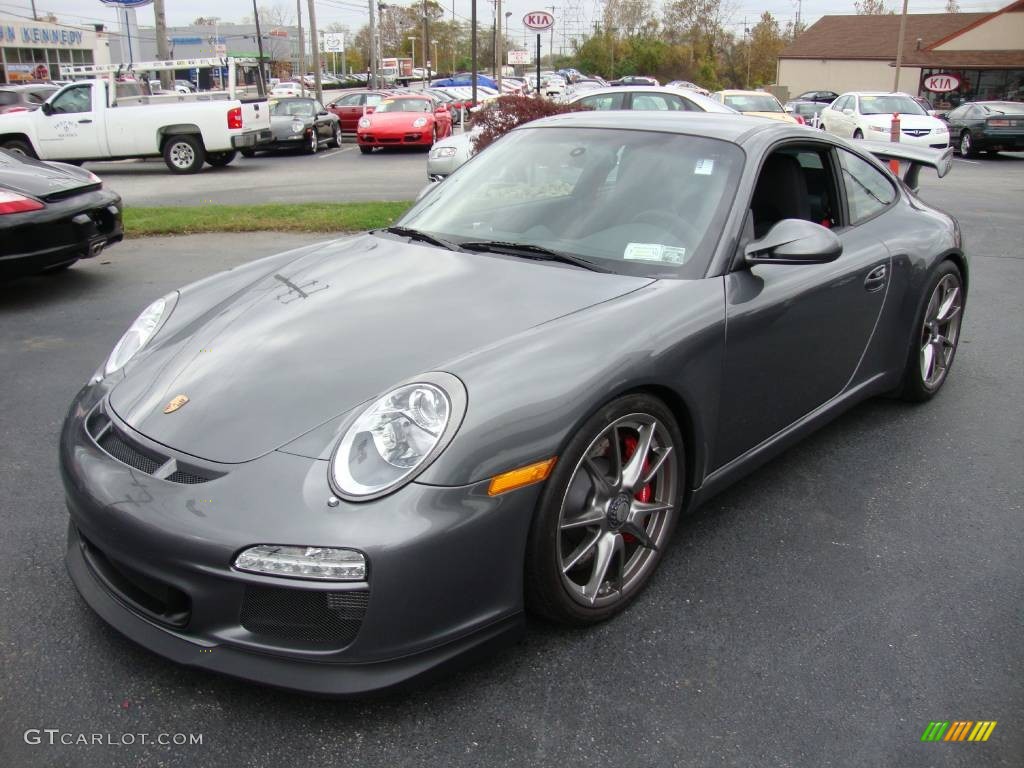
pixel 435 59
pixel 413 39
pixel 373 50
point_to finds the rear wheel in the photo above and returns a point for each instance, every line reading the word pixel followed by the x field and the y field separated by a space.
pixel 220 159
pixel 18 147
pixel 936 337
pixel 606 514
pixel 184 154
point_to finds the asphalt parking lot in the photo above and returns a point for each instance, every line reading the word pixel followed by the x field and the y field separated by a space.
pixel 331 175
pixel 820 613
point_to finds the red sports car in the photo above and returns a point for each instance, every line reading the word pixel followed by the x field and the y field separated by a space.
pixel 404 121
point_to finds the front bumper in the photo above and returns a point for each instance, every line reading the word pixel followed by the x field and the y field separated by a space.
pixel 931 140
pixel 77 227
pixel 1006 139
pixel 153 558
pixel 414 137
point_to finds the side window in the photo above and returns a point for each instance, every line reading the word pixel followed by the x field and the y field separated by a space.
pixel 352 100
pixel 795 182
pixel 842 104
pixel 957 113
pixel 77 99
pixel 868 191
pixel 373 99
pixel 973 113
pixel 658 102
pixel 603 101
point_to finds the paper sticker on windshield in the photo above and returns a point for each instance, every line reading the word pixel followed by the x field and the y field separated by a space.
pixel 666 254
pixel 704 167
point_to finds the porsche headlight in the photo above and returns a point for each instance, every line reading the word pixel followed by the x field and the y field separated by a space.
pixel 419 122
pixel 364 122
pixel 397 437
pixel 297 126
pixel 141 331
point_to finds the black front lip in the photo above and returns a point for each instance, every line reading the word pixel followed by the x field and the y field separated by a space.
pixel 77 227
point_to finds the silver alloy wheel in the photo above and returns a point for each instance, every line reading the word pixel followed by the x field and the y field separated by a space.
pixel 940 331
pixel 337 136
pixel 314 142
pixel 182 155
pixel 965 144
pixel 607 536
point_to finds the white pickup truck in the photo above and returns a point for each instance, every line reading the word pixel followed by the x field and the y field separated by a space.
pixel 95 120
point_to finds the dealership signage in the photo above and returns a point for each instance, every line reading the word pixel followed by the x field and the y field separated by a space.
pixel 23 34
pixel 334 42
pixel 538 20
pixel 519 57
pixel 941 83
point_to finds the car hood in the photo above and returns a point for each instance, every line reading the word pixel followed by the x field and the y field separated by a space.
pixel 395 119
pixel 41 179
pixel 334 328
pixel 772 116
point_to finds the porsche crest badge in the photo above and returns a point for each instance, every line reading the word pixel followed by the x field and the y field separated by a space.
pixel 176 402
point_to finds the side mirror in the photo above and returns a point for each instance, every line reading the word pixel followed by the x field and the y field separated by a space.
pixel 847 111
pixel 322 114
pixel 427 190
pixel 942 115
pixel 47 108
pixel 795 241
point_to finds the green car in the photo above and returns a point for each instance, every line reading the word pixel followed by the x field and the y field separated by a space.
pixel 986 126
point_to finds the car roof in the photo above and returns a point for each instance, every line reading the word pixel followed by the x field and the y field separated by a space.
pixel 741 92
pixel 715 125
pixel 687 93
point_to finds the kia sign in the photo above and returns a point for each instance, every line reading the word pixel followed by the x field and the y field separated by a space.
pixel 538 20
pixel 941 83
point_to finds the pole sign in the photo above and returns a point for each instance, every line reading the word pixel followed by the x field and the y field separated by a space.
pixel 538 21
pixel 941 83
pixel 126 3
pixel 519 57
pixel 334 42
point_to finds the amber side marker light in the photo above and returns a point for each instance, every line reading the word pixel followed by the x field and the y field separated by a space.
pixel 519 478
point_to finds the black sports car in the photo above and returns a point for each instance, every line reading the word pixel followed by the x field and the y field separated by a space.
pixel 300 123
pixel 987 126
pixel 52 215
pixel 821 97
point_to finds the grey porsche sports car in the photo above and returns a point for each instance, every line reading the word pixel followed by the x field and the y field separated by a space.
pixel 300 123
pixel 341 468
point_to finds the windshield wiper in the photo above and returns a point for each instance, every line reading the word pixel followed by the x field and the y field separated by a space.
pixel 530 251
pixel 425 237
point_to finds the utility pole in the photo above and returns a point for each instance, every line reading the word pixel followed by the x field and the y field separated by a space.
pixel 161 40
pixel 746 35
pixel 499 53
pixel 36 17
pixel 413 39
pixel 259 47
pixel 552 51
pixel 302 43
pixel 314 44
pixel 426 42
pixel 373 49
pixel 472 47
pixel 899 46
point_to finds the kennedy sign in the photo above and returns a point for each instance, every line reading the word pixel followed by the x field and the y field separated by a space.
pixel 538 20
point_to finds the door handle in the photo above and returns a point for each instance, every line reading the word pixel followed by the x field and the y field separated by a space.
pixel 875 279
pixel 86 120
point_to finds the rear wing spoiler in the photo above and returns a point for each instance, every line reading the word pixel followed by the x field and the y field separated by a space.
pixel 911 159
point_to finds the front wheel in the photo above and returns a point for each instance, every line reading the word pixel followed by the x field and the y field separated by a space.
pixel 184 154
pixel 606 514
pixel 313 144
pixel 336 138
pixel 936 336
pixel 221 159
pixel 966 145
pixel 18 147
pixel 858 134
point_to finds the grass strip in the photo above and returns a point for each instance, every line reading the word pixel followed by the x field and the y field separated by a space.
pixel 283 217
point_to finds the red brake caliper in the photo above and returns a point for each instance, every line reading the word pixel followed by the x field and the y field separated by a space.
pixel 645 493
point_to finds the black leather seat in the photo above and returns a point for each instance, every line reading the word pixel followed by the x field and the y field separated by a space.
pixel 781 193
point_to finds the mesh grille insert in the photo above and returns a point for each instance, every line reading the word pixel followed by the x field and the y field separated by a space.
pixel 128 454
pixel 185 477
pixel 319 618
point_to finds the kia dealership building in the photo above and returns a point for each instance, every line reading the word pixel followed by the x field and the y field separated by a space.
pixel 35 50
pixel 947 57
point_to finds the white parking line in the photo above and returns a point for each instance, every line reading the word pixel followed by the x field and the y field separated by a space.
pixel 325 155
pixel 972 162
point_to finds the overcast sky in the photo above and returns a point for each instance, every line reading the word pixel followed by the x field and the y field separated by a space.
pixel 354 12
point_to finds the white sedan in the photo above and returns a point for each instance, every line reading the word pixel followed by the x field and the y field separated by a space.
pixel 864 115
pixel 289 88
pixel 646 98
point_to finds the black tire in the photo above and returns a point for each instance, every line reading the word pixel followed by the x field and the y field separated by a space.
pixel 18 147
pixel 336 141
pixel 858 134
pixel 221 159
pixel 913 387
pixel 365 150
pixel 248 153
pixel 313 144
pixel 966 145
pixel 545 593
pixel 184 153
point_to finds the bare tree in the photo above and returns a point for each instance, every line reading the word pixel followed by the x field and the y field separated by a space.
pixel 952 6
pixel 871 7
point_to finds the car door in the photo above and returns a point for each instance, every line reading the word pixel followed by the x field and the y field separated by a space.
pixel 69 128
pixel 323 122
pixel 832 116
pixel 658 102
pixel 349 109
pixel 796 333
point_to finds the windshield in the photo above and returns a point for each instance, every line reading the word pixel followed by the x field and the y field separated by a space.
pixel 292 107
pixel 753 103
pixel 889 104
pixel 634 202
pixel 1006 108
pixel 404 105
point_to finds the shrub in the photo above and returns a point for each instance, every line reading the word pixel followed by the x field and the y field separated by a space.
pixel 503 114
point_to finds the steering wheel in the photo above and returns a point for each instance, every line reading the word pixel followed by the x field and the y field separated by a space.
pixel 679 227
